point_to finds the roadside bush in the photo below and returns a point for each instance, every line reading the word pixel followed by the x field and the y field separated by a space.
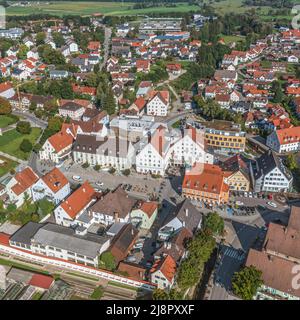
pixel 26 146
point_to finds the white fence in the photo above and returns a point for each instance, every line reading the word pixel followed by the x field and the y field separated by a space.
pixel 76 267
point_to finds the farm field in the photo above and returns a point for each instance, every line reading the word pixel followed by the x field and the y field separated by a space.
pixel 89 7
pixel 10 142
pixel 236 6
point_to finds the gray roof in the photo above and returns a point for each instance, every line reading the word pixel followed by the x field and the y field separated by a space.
pixel 109 146
pixel 186 212
pixel 65 238
pixel 268 162
pixel 25 233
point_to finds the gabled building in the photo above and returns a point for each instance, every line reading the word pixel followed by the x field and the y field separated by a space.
pixel 269 174
pixel 58 147
pixel 185 216
pixel 236 173
pixel 158 103
pixel 279 260
pixel 144 214
pixel 206 183
pixel 115 206
pixel 76 204
pixel 163 273
pixel 19 187
pixel 53 186
pixel 284 140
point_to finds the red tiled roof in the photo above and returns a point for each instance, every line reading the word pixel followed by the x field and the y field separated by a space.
pixel 63 138
pixel 167 266
pixel 5 86
pixel 78 200
pixel 25 179
pixel 205 177
pixel 4 238
pixel 149 208
pixel 41 281
pixel 289 135
pixel 55 180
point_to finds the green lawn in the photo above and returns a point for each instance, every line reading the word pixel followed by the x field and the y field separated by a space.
pixel 6 121
pixel 229 39
pixel 98 293
pixel 121 285
pixel 10 142
pixel 37 296
pixel 22 266
pixel 89 7
pixel 7 166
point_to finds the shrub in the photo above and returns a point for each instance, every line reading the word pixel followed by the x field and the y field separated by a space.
pixel 24 127
pixel 26 146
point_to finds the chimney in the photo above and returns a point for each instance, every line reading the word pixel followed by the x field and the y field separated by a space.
pixel 116 216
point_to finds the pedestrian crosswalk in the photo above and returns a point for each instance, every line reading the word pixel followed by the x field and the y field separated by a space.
pixel 233 253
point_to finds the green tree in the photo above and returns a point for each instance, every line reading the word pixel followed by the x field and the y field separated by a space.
pixel 126 172
pixel 5 107
pixel 23 127
pixel 26 146
pixel 22 52
pixel 107 260
pixel 214 222
pixel 40 38
pixel 159 294
pixel 291 162
pixel 277 90
pixel 45 207
pixel 246 282
pixel 58 39
pixel 55 124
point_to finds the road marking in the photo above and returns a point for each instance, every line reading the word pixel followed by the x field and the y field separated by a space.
pixel 232 253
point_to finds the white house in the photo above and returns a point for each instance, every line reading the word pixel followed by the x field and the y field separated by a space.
pixel 163 273
pixel 152 155
pixel 269 174
pixel 145 214
pixel 53 186
pixel 72 207
pixel 6 90
pixel 284 140
pixel 19 187
pixel 159 103
pixel 58 147
pixel 110 151
pixel 189 149
pixel 114 207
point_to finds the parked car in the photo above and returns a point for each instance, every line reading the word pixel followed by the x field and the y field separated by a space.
pixel 272 204
pixel 131 258
pixel 76 178
pixel 138 245
pixel 99 184
pixel 239 203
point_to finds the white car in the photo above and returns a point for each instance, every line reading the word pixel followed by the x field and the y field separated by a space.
pixel 272 204
pixel 250 195
pixel 76 178
pixel 245 194
pixel 239 203
pixel 99 184
pixel 138 245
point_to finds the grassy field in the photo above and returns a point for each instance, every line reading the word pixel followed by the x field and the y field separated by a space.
pixel 6 121
pixel 89 7
pixel 22 266
pixel 229 39
pixel 236 6
pixel 10 142
pixel 7 166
